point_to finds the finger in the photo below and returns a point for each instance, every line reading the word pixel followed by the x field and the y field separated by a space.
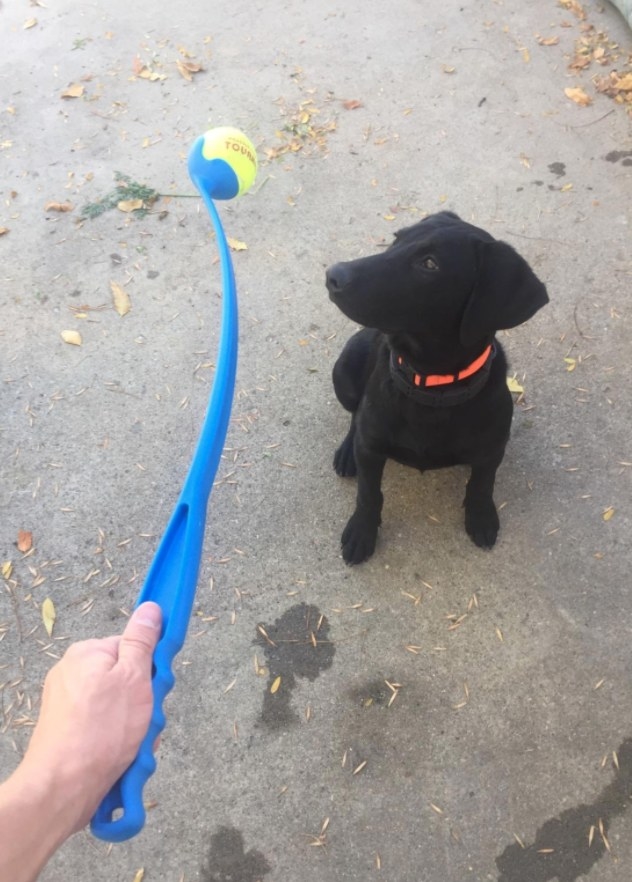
pixel 140 636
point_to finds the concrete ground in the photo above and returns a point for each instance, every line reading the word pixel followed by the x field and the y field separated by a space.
pixel 463 715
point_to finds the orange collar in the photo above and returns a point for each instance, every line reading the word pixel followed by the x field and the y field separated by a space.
pixel 442 390
pixel 445 379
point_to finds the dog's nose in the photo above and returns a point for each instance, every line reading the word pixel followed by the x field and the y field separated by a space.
pixel 337 278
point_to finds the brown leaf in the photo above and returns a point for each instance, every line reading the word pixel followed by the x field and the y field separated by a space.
pixel 624 83
pixel 352 104
pixel 122 303
pixel 578 96
pixel 188 68
pixel 4 231
pixel 58 206
pixel 25 541
pixel 76 90
pixel 548 41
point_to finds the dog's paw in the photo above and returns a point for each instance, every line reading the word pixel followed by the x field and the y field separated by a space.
pixel 358 540
pixel 344 460
pixel 481 523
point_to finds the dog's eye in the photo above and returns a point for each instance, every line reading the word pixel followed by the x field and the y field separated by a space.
pixel 428 263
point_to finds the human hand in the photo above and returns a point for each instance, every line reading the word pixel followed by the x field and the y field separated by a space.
pixel 96 709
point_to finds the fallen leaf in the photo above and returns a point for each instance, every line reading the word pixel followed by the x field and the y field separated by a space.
pixel 352 104
pixel 548 41
pixel 566 188
pixel 4 231
pixel 48 615
pixel 128 205
pixel 30 23
pixel 58 206
pixel 514 386
pixel 140 875
pixel 147 74
pixel 72 337
pixel 275 686
pixel 608 513
pixel 6 569
pixel 578 96
pixel 623 84
pixel 188 68
pixel 122 303
pixel 526 56
pixel 571 364
pixel 25 541
pixel 449 70
pixel 236 245
pixel 76 90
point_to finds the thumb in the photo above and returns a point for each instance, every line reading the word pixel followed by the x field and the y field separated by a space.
pixel 140 636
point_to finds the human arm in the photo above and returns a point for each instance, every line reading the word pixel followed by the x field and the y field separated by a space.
pixel 96 708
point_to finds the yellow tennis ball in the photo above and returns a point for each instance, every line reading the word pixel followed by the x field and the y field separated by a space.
pixel 227 150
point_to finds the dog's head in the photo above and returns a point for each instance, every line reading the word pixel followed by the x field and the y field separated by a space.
pixel 441 277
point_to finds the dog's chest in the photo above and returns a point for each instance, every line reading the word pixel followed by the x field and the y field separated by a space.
pixel 426 443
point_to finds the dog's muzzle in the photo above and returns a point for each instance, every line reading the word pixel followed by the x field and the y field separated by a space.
pixel 337 278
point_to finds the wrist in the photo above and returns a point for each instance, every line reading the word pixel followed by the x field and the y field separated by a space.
pixel 36 816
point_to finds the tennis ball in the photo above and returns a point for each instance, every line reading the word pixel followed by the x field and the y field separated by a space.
pixel 224 162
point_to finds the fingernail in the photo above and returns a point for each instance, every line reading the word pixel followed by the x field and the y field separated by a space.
pixel 149 614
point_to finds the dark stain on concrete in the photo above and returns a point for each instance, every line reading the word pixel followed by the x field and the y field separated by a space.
pixel 623 156
pixel 558 169
pixel 296 645
pixel 372 694
pixel 571 856
pixel 228 862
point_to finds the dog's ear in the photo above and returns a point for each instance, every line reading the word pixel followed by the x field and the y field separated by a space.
pixel 506 292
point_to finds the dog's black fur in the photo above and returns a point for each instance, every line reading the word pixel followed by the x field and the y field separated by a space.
pixel 435 299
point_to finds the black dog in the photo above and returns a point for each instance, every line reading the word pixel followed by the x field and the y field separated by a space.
pixel 425 380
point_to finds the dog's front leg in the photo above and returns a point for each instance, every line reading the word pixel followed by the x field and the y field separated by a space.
pixel 481 517
pixel 360 535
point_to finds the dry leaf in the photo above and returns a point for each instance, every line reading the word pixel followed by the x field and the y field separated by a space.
pixel 188 68
pixel 6 569
pixel 548 41
pixel 449 70
pixel 25 541
pixel 147 74
pixel 608 513
pixel 353 104
pixel 236 245
pixel 4 231
pixel 140 875
pixel 275 686
pixel 514 386
pixel 128 205
pixel 122 303
pixel 48 615
pixel 30 23
pixel 58 206
pixel 76 90
pixel 578 96
pixel 72 337
pixel 624 83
